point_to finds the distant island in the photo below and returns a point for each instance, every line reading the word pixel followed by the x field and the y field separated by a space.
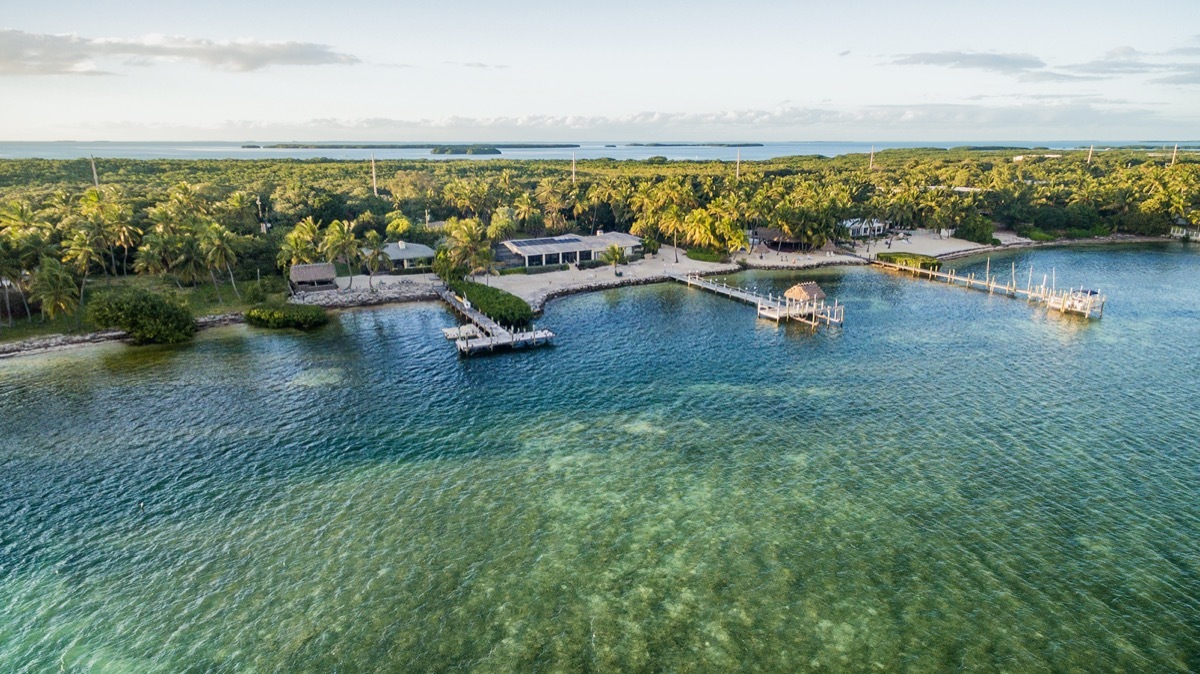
pixel 465 149
pixel 694 145
pixel 437 148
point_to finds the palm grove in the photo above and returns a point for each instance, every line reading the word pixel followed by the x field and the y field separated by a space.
pixel 193 224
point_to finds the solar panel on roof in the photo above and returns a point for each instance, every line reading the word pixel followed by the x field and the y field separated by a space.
pixel 521 243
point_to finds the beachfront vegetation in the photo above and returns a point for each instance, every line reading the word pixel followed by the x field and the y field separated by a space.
pixel 280 316
pixel 910 259
pixel 502 307
pixel 613 255
pixel 148 317
pixel 707 255
pixel 191 224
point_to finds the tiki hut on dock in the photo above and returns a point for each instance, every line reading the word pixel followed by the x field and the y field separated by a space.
pixel 808 291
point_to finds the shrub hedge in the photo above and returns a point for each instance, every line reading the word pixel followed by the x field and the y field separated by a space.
pixel 592 264
pixel 910 260
pixel 277 316
pixel 547 268
pixel 705 255
pixel 148 317
pixel 502 307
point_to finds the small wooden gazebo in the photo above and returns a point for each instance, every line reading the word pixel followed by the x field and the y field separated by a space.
pixel 808 291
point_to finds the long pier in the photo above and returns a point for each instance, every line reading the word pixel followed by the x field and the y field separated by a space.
pixel 491 335
pixel 778 309
pixel 1087 303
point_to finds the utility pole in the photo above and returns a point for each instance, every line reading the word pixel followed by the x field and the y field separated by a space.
pixel 374 184
pixel 1174 154
pixel 572 168
pixel 95 176
pixel 737 171
pixel 871 165
pixel 1090 150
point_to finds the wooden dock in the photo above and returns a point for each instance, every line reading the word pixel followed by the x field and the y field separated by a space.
pixel 778 309
pixel 1087 303
pixel 490 334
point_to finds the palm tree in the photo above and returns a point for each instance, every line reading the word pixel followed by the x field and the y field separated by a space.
pixel 617 194
pixel 219 246
pixel 374 256
pixel 18 218
pixel 154 255
pixel 503 224
pixel 340 243
pixel 299 245
pixel 613 255
pixel 467 244
pixel 524 207
pixel 122 233
pixel 698 229
pixel 189 263
pixel 10 269
pixel 53 288
pixel 83 250
pixel 671 222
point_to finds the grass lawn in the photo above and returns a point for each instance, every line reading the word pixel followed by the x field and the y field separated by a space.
pixel 201 301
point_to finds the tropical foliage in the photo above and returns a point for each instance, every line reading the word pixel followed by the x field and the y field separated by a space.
pixel 280 316
pixel 223 222
pixel 502 307
pixel 149 318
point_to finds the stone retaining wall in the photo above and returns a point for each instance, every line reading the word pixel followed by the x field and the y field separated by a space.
pixel 383 294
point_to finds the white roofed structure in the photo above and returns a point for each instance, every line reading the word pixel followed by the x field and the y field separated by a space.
pixel 570 248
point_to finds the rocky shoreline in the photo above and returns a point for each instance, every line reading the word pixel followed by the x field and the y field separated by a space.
pixel 382 294
pixel 538 302
pixel 847 260
pixel 47 343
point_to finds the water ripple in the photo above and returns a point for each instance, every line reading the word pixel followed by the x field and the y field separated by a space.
pixel 951 481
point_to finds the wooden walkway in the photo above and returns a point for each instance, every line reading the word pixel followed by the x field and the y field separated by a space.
pixel 775 308
pixel 493 336
pixel 1087 303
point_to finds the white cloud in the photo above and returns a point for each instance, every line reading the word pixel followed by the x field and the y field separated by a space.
pixel 1027 119
pixel 23 53
pixel 476 64
pixel 1001 63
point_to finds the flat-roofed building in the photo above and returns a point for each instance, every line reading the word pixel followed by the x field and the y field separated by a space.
pixel 571 248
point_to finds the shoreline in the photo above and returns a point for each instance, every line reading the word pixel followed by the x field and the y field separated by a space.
pixel 1022 245
pixel 62 342
pixel 410 291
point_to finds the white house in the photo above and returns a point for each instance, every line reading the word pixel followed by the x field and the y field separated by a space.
pixel 570 248
pixel 404 254
pixel 861 228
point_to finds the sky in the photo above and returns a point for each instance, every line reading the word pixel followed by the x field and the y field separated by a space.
pixel 527 70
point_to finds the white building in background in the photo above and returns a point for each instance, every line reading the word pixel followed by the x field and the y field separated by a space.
pixel 861 228
pixel 571 248
pixel 404 254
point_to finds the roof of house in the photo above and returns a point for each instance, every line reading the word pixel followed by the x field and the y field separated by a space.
pixel 310 273
pixel 403 250
pixel 569 243
pixel 862 222
pixel 619 238
pixel 805 292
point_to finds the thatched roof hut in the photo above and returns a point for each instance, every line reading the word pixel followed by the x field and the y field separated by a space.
pixel 320 276
pixel 805 292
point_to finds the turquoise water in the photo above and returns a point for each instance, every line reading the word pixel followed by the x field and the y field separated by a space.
pixel 952 481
